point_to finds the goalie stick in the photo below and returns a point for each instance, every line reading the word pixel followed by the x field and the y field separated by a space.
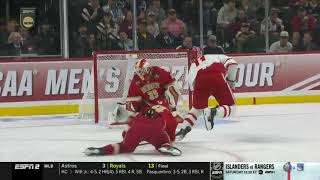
pixel 114 117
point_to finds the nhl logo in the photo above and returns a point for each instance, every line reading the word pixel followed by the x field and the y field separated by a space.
pixel 287 167
pixel 216 166
pixel 216 170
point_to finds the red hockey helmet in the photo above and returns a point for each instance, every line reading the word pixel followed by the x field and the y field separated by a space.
pixel 142 68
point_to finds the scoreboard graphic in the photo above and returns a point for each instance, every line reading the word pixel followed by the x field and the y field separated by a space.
pixel 163 170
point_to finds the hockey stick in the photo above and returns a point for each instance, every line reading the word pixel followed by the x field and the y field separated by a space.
pixel 132 58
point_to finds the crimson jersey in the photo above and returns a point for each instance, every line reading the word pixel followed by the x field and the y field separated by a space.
pixel 210 63
pixel 166 120
pixel 208 79
pixel 146 93
pixel 143 128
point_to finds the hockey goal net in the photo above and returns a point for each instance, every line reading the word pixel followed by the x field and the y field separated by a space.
pixel 113 70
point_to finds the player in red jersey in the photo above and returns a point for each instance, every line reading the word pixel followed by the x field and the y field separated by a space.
pixel 148 126
pixel 152 85
pixel 210 75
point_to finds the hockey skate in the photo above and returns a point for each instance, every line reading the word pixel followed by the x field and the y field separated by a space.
pixel 170 150
pixel 93 151
pixel 182 133
pixel 209 115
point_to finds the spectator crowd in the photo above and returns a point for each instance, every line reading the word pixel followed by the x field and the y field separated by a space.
pixel 108 25
pixel 230 26
pixel 291 26
pixel 16 40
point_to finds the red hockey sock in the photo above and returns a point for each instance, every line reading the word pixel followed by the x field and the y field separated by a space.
pixel 112 149
pixel 108 149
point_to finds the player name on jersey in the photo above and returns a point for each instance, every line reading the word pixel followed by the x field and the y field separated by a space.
pixel 150 86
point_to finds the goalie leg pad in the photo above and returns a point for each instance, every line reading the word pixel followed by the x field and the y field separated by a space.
pixel 172 95
pixel 119 115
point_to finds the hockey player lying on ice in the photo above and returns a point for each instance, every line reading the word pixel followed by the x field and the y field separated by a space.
pixel 210 75
pixel 149 125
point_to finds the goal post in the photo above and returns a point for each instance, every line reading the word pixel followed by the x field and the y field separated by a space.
pixel 112 73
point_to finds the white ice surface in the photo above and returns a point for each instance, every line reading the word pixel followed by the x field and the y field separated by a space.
pixel 259 133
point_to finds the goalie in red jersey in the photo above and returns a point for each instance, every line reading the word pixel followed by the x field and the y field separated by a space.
pixel 149 125
pixel 152 85
pixel 210 75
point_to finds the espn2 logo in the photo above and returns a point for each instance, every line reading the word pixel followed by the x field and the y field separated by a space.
pixel 27 166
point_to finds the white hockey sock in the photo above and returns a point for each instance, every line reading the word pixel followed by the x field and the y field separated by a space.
pixel 192 117
pixel 225 111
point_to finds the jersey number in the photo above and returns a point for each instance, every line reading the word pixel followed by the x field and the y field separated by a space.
pixel 153 94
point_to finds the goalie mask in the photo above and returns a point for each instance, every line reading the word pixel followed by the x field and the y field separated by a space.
pixel 142 69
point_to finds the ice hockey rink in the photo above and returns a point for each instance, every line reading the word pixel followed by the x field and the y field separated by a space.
pixel 259 133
